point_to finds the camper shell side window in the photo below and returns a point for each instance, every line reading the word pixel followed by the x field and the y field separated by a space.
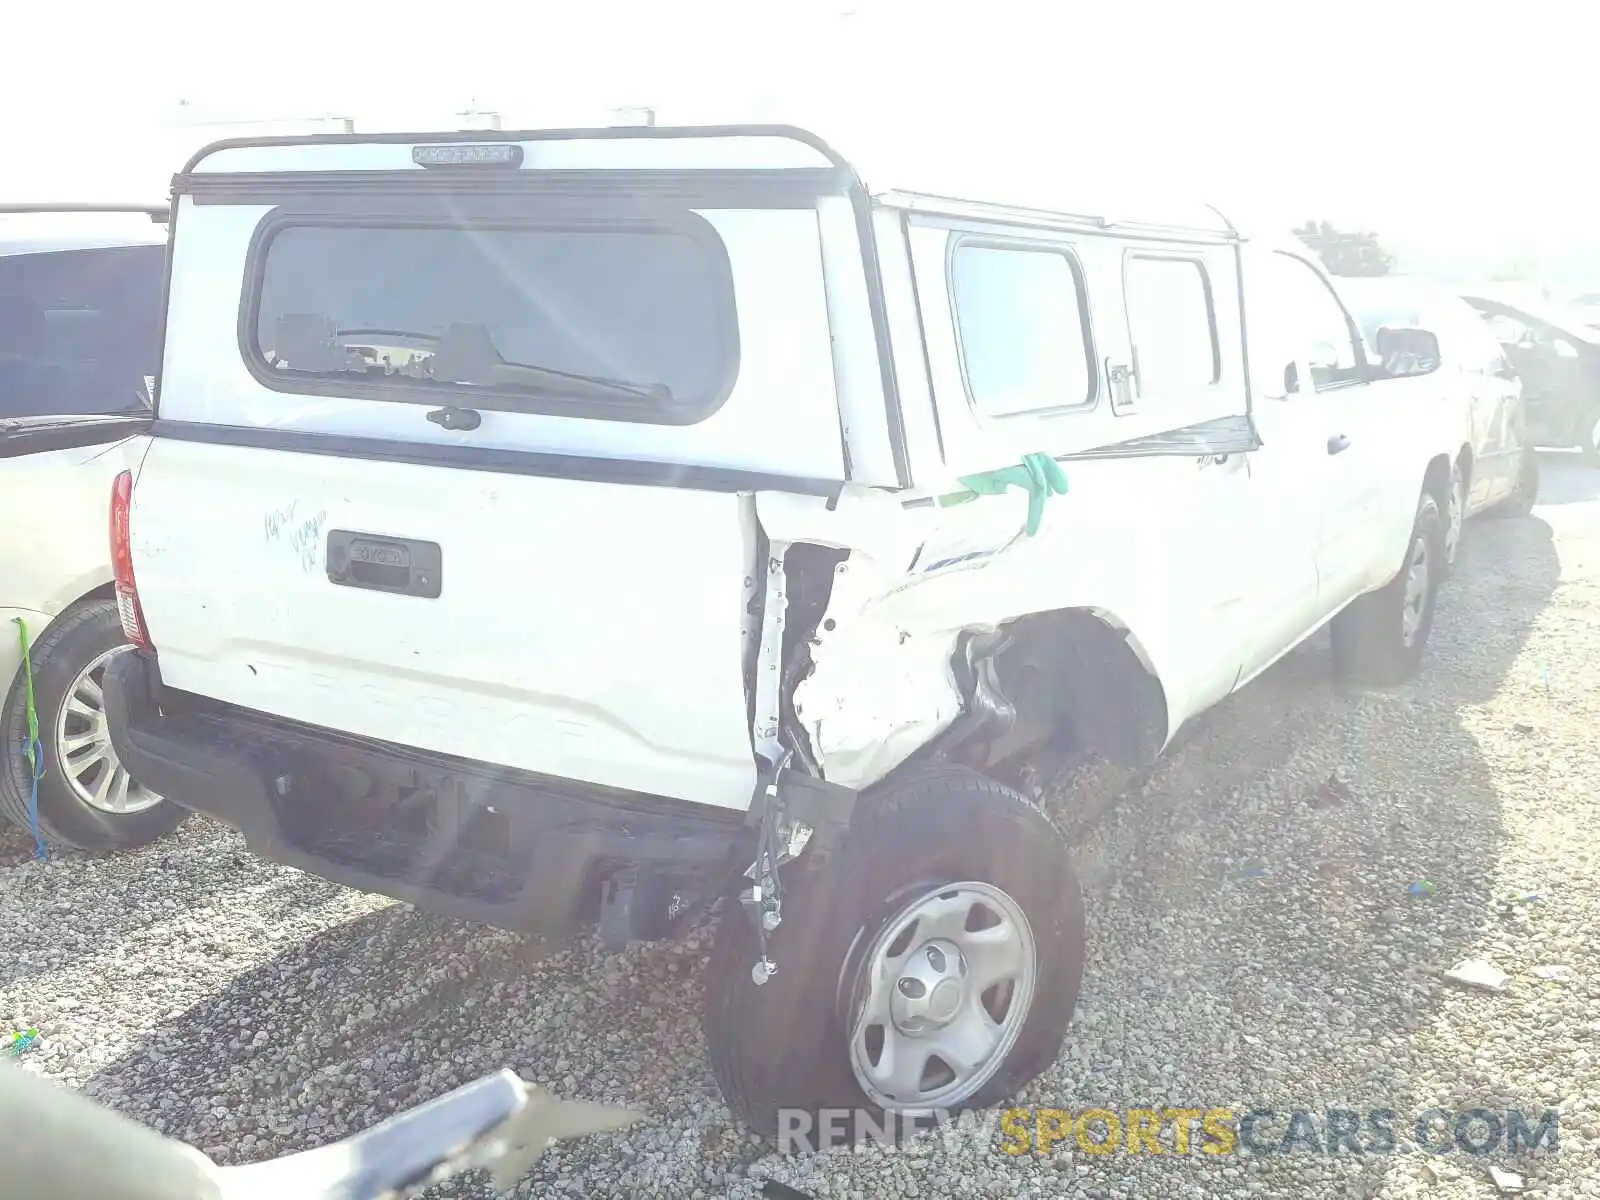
pixel 1172 324
pixel 1023 334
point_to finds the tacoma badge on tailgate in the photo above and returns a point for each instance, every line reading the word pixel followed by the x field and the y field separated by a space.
pixel 384 564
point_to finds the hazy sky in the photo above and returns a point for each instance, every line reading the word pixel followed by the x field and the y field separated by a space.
pixel 1444 121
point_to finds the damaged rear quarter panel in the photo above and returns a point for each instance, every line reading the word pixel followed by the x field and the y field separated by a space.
pixel 882 684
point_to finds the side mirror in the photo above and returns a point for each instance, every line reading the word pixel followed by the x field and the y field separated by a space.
pixel 1407 351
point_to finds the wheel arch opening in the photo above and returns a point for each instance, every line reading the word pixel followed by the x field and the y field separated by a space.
pixel 1058 687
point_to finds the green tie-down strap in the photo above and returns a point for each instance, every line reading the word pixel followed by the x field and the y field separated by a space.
pixel 1038 474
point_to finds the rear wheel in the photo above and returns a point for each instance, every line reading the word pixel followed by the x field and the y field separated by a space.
pixel 931 962
pixel 1380 638
pixel 87 799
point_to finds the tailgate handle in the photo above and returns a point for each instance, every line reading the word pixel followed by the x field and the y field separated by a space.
pixel 380 563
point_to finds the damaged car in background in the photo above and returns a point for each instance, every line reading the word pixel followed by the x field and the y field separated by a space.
pixel 602 526
pixel 1555 351
pixel 1495 470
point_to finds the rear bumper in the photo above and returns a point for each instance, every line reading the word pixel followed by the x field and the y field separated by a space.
pixel 465 839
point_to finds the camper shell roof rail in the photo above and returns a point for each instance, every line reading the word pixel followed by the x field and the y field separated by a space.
pixel 978 193
pixel 156 212
pixel 1219 229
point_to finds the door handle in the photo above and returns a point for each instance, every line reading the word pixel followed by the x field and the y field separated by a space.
pixel 403 566
pixel 1338 444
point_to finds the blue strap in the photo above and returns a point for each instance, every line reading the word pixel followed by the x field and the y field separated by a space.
pixel 36 764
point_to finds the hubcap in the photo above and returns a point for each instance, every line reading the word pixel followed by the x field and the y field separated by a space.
pixel 940 995
pixel 83 747
pixel 1416 596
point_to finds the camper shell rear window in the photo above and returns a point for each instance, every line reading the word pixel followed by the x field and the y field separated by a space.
pixel 625 317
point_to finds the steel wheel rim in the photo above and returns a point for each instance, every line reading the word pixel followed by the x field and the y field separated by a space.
pixel 1456 518
pixel 936 1007
pixel 88 762
pixel 1416 591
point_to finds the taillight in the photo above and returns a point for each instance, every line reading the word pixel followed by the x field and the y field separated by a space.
pixel 122 562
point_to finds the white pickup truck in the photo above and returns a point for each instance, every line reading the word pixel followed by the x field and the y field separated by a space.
pixel 559 527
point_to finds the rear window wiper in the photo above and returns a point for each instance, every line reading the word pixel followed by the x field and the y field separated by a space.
pixel 658 392
pixel 646 391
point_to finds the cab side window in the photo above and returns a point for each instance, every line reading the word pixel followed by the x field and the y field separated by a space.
pixel 1310 318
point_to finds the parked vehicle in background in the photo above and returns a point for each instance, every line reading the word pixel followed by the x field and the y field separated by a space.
pixel 1495 470
pixel 80 315
pixel 1556 353
pixel 562 527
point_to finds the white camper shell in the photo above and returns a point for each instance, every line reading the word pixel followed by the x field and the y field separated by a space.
pixel 553 526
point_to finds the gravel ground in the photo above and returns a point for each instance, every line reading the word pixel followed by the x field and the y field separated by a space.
pixel 1253 945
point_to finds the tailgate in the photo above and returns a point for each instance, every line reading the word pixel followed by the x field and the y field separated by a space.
pixel 585 630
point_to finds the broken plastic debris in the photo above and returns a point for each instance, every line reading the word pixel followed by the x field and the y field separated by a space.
pixel 1506 1181
pixel 21 1043
pixel 1420 888
pixel 1474 972
pixel 1526 898
pixel 1552 972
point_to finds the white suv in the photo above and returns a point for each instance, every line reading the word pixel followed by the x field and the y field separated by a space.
pixel 550 528
pixel 80 337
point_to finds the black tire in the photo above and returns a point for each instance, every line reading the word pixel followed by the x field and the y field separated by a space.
pixel 783 1045
pixel 1369 644
pixel 71 642
pixel 1526 493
